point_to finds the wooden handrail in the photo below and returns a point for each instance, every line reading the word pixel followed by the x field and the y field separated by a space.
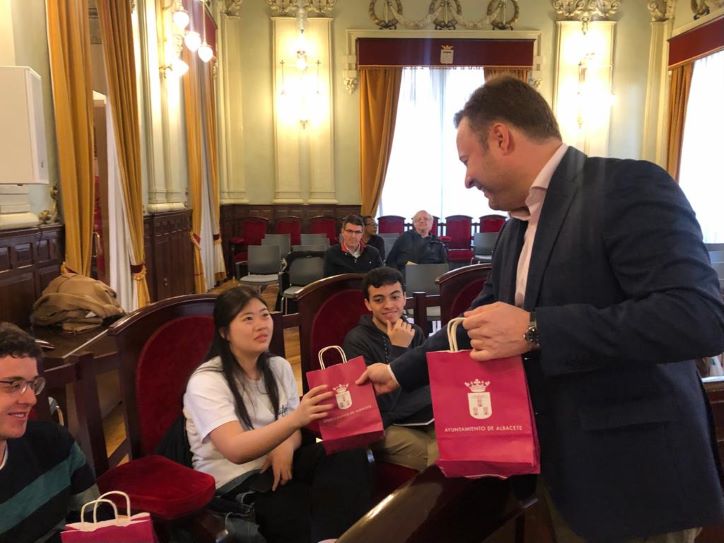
pixel 431 507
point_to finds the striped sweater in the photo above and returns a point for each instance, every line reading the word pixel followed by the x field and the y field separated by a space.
pixel 45 479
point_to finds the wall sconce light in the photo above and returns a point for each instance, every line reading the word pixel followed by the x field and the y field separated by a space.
pixel 300 94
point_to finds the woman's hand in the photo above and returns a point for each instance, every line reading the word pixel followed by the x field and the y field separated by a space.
pixel 280 459
pixel 311 406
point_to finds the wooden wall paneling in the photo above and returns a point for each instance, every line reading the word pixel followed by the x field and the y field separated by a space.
pixel 150 257
pixel 171 267
pixel 29 259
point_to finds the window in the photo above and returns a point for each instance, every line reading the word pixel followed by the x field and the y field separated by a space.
pixel 701 172
pixel 424 171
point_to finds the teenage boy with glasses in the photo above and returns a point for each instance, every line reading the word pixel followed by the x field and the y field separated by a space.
pixel 44 477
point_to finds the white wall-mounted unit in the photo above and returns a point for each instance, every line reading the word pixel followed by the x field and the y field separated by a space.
pixel 23 152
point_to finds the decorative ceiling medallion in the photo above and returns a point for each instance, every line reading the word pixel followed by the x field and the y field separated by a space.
pixel 702 7
pixel 444 15
pixel 497 13
pixel 585 10
pixel 311 7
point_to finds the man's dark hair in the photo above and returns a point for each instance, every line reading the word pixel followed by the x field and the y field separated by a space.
pixel 381 276
pixel 510 100
pixel 17 343
pixel 353 219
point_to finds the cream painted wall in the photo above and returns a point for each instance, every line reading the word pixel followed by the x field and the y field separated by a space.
pixel 256 95
pixel 629 85
pixel 31 49
pixel 633 32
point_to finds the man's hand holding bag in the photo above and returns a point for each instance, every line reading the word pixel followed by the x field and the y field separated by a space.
pixel 355 419
pixel 483 419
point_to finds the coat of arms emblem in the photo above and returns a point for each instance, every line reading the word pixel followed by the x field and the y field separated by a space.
pixel 343 396
pixel 479 403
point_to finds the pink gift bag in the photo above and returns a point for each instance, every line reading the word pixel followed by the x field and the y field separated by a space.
pixel 355 420
pixel 483 418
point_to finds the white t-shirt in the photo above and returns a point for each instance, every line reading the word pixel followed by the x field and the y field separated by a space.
pixel 208 403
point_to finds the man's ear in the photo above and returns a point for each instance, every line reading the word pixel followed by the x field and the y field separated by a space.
pixel 501 137
pixel 367 305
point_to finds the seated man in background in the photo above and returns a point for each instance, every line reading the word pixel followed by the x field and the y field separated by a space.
pixel 352 255
pixel 43 473
pixel 370 236
pixel 417 245
pixel 381 337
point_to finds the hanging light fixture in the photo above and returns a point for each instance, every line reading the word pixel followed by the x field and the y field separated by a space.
pixel 180 17
pixel 301 42
pixel 192 39
pixel 206 53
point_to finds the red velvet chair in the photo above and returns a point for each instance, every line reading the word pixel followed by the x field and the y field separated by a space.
pixel 159 347
pixel 251 231
pixel 289 225
pixel 328 309
pixel 459 287
pixel 492 223
pixel 458 231
pixel 434 229
pixel 391 224
pixel 324 224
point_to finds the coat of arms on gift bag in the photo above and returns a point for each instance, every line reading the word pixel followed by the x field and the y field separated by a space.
pixel 479 402
pixel 343 396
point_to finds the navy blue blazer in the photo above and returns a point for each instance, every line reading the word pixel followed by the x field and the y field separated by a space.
pixel 625 298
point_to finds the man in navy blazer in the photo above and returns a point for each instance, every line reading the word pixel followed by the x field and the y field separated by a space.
pixel 601 281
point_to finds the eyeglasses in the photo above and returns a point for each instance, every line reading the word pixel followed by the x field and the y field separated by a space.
pixel 356 232
pixel 19 386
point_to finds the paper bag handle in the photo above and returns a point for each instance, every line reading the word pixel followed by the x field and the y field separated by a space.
pixel 95 504
pixel 452 336
pixel 120 493
pixel 325 349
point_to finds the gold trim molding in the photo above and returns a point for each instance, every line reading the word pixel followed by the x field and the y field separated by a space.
pixel 660 10
pixel 232 8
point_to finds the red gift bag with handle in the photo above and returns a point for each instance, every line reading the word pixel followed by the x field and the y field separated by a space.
pixel 355 420
pixel 483 418
pixel 126 528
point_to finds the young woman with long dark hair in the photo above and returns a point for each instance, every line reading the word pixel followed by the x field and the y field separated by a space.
pixel 243 420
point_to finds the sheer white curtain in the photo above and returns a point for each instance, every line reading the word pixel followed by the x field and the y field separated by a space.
pixel 119 237
pixel 424 170
pixel 701 173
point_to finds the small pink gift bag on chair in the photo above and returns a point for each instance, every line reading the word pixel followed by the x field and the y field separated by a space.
pixel 355 419
pixel 483 418
pixel 126 528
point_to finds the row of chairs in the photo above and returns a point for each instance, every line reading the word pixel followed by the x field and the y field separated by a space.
pixel 459 232
pixel 251 231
